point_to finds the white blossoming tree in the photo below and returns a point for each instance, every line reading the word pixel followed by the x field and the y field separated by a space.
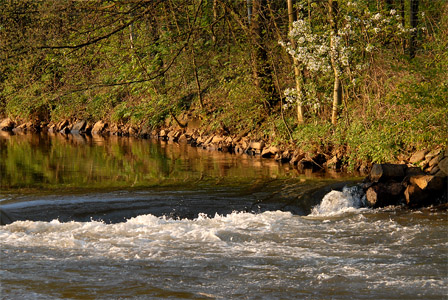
pixel 340 45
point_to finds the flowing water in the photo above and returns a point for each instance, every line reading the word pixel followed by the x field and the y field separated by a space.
pixel 115 218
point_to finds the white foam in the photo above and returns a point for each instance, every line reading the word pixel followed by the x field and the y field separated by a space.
pixel 336 202
pixel 147 235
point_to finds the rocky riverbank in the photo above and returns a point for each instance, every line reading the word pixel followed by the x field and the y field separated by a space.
pixel 417 180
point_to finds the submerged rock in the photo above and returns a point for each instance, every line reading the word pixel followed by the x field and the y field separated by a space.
pixel 384 194
pixel 390 184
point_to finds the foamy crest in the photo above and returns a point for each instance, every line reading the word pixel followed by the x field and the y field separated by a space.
pixel 336 202
pixel 145 235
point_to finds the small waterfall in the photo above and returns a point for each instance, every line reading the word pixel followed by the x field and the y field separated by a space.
pixel 337 202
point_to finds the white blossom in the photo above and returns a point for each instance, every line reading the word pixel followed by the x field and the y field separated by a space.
pixel 377 17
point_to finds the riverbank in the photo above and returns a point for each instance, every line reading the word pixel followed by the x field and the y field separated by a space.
pixel 416 180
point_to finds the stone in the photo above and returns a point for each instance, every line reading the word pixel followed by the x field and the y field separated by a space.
pixel 133 131
pixel 283 157
pixel 52 128
pixel 269 152
pixel 432 154
pixel 208 140
pixel 415 196
pixel 88 128
pixel 183 139
pixel 145 132
pixel 386 172
pixel 173 135
pixel 99 127
pixel 434 161
pixel 443 165
pixel 7 124
pixel 434 170
pixel 296 157
pixel 257 146
pixel 424 190
pixel 61 125
pixel 384 194
pixel 413 171
pixel 163 133
pixel 23 127
pixel 217 139
pixel 427 182
pixel 65 130
pixel 418 156
pixel 79 126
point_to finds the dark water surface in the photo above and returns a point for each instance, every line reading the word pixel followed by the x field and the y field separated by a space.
pixel 112 218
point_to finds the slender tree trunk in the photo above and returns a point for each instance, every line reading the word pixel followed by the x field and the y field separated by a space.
pixel 413 21
pixel 215 17
pixel 337 89
pixel 249 11
pixel 297 73
pixel 403 23
pixel 196 77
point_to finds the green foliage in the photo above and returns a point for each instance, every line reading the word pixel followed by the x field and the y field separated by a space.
pixel 139 62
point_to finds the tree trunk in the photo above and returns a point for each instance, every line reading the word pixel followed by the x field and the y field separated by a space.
pixel 337 89
pixel 413 21
pixel 196 76
pixel 249 11
pixel 297 73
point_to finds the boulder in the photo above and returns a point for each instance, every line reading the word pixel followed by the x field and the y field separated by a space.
pixel 209 140
pixel 99 127
pixel 88 128
pixel 145 132
pixel 384 194
pixel 418 156
pixel 132 131
pixel 296 157
pixel 435 170
pixel 7 125
pixel 163 134
pixel 428 182
pixel 183 139
pixel 425 189
pixel 269 152
pixel 173 135
pixel 217 139
pixel 61 125
pixel 283 157
pixel 415 196
pixel 23 127
pixel 79 126
pixel 443 165
pixel 257 146
pixel 387 172
pixel 433 154
pixel 434 161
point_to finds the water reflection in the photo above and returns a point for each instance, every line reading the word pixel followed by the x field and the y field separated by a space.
pixel 56 161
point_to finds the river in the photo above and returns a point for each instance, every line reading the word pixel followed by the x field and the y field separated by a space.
pixel 115 218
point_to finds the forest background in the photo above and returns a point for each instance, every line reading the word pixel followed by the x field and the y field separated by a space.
pixel 367 79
